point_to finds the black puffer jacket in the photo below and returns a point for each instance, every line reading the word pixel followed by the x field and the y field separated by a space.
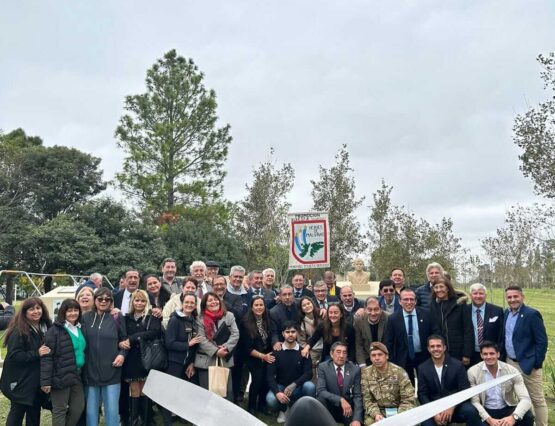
pixel 457 331
pixel 58 368
pixel 180 330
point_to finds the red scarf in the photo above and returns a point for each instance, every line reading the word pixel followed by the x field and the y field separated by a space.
pixel 210 319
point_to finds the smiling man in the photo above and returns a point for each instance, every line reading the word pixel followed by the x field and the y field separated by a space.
pixel 441 376
pixel 526 346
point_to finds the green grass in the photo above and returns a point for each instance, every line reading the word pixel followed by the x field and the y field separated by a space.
pixel 543 300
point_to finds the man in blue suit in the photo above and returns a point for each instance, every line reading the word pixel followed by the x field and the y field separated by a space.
pixel 487 322
pixel 526 346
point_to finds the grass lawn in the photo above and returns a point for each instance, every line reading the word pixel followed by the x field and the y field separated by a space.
pixel 543 300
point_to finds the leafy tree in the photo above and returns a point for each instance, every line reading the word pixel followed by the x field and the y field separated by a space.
pixel 534 133
pixel 400 239
pixel 59 177
pixel 174 151
pixel 334 192
pixel 188 240
pixel 261 218
pixel 523 250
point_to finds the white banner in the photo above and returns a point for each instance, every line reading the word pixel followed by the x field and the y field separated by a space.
pixel 309 240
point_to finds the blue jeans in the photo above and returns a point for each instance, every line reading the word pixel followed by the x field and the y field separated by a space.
pixel 109 395
pixel 307 389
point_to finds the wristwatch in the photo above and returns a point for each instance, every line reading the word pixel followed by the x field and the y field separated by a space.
pixel 516 417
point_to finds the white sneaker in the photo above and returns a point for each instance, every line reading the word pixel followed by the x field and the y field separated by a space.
pixel 281 417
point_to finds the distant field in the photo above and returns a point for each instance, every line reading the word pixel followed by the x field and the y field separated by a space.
pixel 543 300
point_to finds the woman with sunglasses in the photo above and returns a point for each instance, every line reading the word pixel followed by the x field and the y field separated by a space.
pixel 334 328
pixel 103 332
pixel 20 381
pixel 213 316
pixel 182 341
pixel 60 370
pixel 256 336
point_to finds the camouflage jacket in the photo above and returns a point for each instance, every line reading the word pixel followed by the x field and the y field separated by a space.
pixel 391 389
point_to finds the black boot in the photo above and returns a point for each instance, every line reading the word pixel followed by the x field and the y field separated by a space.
pixel 147 413
pixel 135 418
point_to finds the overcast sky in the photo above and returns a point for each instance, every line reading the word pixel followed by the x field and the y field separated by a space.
pixel 424 93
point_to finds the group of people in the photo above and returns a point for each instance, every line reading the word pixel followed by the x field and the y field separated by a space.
pixel 359 359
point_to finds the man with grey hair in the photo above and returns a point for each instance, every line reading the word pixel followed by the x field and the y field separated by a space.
pixel 284 311
pixel 94 282
pixel 434 271
pixel 268 279
pixel 321 296
pixel 198 272
pixel 487 322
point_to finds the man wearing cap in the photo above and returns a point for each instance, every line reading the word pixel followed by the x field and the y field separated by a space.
pixel 386 387
pixel 212 270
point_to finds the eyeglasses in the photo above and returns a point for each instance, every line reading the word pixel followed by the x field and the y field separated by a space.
pixel 104 299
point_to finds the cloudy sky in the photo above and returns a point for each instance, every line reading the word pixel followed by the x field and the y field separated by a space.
pixel 424 93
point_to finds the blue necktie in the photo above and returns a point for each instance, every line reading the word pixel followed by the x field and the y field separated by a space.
pixel 411 341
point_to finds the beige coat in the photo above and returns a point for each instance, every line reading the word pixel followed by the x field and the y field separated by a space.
pixel 363 337
pixel 514 390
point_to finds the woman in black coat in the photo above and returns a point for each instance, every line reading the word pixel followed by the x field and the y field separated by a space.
pixel 157 294
pixel 256 335
pixel 139 325
pixel 333 329
pixel 20 381
pixel 448 310
pixel 60 370
pixel 181 342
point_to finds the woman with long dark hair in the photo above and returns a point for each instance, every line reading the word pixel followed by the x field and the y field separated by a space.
pixel 157 293
pixel 181 342
pixel 333 329
pixel 140 324
pixel 256 335
pixel 60 370
pixel 20 381
pixel 448 310
pixel 103 332
pixel 309 316
pixel 213 316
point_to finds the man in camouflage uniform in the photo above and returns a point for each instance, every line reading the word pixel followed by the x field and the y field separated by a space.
pixel 386 388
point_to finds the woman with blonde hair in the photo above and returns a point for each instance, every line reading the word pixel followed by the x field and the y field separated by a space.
pixel 85 298
pixel 140 324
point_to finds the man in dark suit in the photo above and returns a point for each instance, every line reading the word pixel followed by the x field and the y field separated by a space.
pixel 526 346
pixel 370 327
pixel 407 333
pixel 299 290
pixel 256 279
pixel 280 314
pixel 321 296
pixel 351 305
pixel 487 321
pixel 338 387
pixel 441 376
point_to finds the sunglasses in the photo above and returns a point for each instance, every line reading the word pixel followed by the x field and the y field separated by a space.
pixel 388 290
pixel 104 299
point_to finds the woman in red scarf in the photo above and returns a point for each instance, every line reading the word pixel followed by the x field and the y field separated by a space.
pixel 212 322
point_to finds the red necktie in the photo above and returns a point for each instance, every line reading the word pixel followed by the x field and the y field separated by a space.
pixel 340 381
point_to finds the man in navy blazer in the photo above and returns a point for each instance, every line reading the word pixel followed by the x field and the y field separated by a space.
pixel 441 376
pixel 401 352
pixel 338 387
pixel 321 296
pixel 256 288
pixel 526 346
pixel 389 299
pixel 299 289
pixel 487 322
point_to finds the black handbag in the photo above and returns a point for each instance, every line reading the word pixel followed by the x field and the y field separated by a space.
pixel 153 353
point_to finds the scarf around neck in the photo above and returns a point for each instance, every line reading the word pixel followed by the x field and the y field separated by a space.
pixel 210 320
